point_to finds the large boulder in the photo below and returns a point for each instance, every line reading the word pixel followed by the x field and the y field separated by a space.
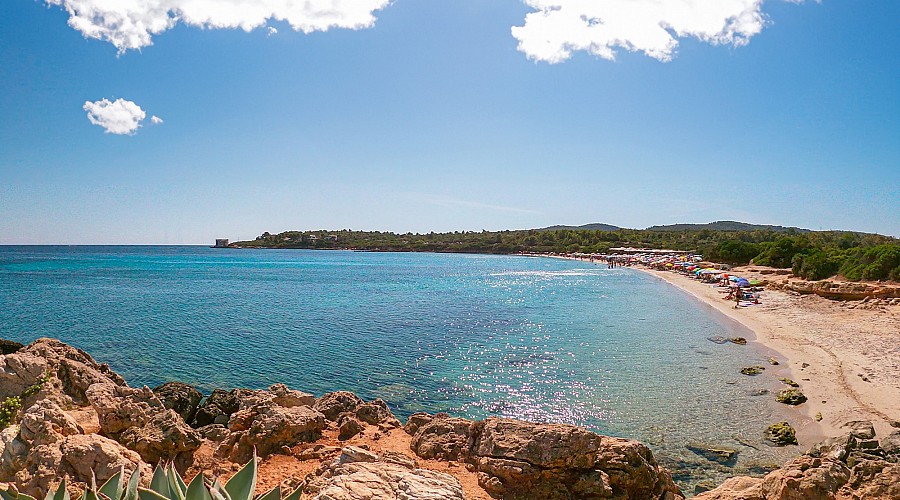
pixel 181 397
pixel 848 467
pixel 220 405
pixel 445 438
pixel 48 445
pixel 524 460
pixel 376 413
pixel 362 475
pixel 333 404
pixel 268 427
pixel 139 420
pixel 71 371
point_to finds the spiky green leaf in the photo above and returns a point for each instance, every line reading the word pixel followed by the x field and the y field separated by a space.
pixel 62 493
pixel 294 495
pixel 8 495
pixel 242 485
pixel 131 491
pixel 179 481
pixel 160 482
pixel 175 482
pixel 197 489
pixel 273 494
pixel 113 486
pixel 23 496
pixel 145 494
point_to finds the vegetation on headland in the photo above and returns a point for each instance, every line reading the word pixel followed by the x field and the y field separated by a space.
pixel 811 254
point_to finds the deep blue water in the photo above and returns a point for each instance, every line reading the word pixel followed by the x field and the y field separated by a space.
pixel 615 350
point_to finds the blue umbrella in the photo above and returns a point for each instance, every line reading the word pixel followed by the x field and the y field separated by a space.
pixel 742 282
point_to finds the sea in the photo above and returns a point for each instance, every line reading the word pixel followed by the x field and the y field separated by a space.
pixel 618 351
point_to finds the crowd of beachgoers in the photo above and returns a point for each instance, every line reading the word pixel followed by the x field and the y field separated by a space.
pixel 743 291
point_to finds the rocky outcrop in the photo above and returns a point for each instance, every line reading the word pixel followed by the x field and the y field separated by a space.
pixel 181 397
pixel 839 290
pixel 139 420
pixel 268 427
pixel 334 403
pixel 48 445
pixel 220 405
pixel 358 474
pixel 523 460
pixel 853 466
pixel 71 371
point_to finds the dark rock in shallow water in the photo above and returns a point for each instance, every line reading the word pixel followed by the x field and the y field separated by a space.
pixel 752 370
pixel 718 339
pixel 180 397
pixel 703 486
pixel 787 381
pixel 724 456
pixel 9 346
pixel 759 392
pixel 773 362
pixel 782 434
pixel 738 340
pixel 791 397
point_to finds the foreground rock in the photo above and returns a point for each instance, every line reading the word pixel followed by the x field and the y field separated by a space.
pixel 358 474
pixel 49 445
pixel 852 466
pixel 71 372
pixel 267 427
pixel 524 460
pixel 180 397
pixel 221 405
pixel 138 419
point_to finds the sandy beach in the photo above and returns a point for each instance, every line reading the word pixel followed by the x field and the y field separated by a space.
pixel 846 360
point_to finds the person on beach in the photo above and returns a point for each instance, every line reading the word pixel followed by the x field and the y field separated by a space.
pixel 737 297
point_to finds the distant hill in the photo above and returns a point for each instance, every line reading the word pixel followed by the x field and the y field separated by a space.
pixel 728 225
pixel 597 226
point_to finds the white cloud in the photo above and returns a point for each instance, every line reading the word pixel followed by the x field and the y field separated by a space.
pixel 653 27
pixel 271 30
pixel 130 24
pixel 119 117
pixel 156 120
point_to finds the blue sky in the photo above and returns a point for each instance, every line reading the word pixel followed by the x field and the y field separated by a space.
pixel 434 119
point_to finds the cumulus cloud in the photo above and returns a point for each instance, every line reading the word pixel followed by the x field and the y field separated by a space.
pixel 558 28
pixel 131 24
pixel 119 117
pixel 155 120
pixel 271 30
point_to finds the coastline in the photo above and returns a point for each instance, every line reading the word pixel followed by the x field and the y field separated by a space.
pixel 846 360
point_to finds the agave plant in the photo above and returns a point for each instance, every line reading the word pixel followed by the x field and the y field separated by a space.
pixel 166 484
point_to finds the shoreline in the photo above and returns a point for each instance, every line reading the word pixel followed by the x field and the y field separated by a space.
pixel 846 360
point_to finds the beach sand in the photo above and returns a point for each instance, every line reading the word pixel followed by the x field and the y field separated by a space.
pixel 846 360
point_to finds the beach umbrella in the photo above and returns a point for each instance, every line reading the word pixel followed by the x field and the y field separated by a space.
pixel 742 282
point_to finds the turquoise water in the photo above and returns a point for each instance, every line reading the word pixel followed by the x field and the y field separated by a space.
pixel 615 350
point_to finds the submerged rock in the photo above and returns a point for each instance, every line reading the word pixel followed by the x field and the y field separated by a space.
pixel 791 397
pixel 718 339
pixel 718 454
pixel 787 381
pixel 738 340
pixel 782 434
pixel 752 370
